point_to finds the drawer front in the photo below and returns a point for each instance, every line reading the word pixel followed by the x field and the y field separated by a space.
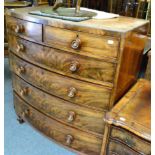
pixel 75 91
pixel 64 62
pixel 24 28
pixel 131 140
pixel 68 113
pixel 67 136
pixel 81 43
pixel 116 148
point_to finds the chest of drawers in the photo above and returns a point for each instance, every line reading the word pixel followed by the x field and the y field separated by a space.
pixel 66 75
pixel 129 122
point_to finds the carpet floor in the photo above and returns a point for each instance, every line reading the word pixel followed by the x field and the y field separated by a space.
pixel 23 139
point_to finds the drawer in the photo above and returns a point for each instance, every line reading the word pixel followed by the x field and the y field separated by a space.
pixel 82 43
pixel 24 28
pixel 75 91
pixel 131 140
pixel 65 63
pixel 67 136
pixel 80 117
pixel 117 148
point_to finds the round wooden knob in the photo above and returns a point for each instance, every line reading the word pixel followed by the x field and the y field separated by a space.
pixel 71 116
pixel 19 29
pixel 74 66
pixel 69 139
pixel 24 91
pixel 20 48
pixel 20 70
pixel 76 44
pixel 72 92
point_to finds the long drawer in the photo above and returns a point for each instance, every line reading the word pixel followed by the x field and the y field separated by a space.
pixel 117 148
pixel 75 91
pixel 80 117
pixel 67 136
pixel 131 140
pixel 24 28
pixel 82 43
pixel 66 63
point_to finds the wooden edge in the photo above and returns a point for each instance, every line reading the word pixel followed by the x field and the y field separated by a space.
pixel 128 125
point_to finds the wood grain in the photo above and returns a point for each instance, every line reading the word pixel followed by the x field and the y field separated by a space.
pixel 63 111
pixel 138 99
pixel 30 29
pixel 89 95
pixel 92 70
pixel 133 47
pixel 117 148
pixel 82 142
pixel 131 140
pixel 91 45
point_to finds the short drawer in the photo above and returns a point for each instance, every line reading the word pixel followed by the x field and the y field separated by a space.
pixel 81 43
pixel 65 63
pixel 24 28
pixel 131 140
pixel 77 116
pixel 75 91
pixel 117 148
pixel 70 137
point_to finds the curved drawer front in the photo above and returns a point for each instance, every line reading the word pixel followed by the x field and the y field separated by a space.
pixel 116 148
pixel 131 140
pixel 82 43
pixel 24 28
pixel 75 91
pixel 61 110
pixel 67 136
pixel 64 62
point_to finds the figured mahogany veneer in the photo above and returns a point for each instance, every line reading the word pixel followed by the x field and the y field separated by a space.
pixel 69 137
pixel 66 112
pixel 73 65
pixel 85 94
pixel 66 75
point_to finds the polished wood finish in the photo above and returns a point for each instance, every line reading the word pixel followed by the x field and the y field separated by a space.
pixel 84 67
pixel 116 148
pixel 69 137
pixel 69 64
pixel 130 120
pixel 148 69
pixel 91 45
pixel 133 141
pixel 88 95
pixel 56 108
pixel 24 28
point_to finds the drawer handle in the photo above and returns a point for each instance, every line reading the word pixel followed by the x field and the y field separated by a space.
pixel 20 48
pixel 74 66
pixel 72 92
pixel 19 29
pixel 69 139
pixel 20 70
pixel 24 91
pixel 76 44
pixel 71 116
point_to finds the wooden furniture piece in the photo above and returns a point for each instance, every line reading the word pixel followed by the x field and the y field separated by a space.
pixel 11 5
pixel 148 68
pixel 66 75
pixel 130 122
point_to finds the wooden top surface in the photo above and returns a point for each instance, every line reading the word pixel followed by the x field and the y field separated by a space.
pixel 120 24
pixel 133 111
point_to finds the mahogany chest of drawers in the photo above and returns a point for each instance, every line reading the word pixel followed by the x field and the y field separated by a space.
pixel 66 75
pixel 130 122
